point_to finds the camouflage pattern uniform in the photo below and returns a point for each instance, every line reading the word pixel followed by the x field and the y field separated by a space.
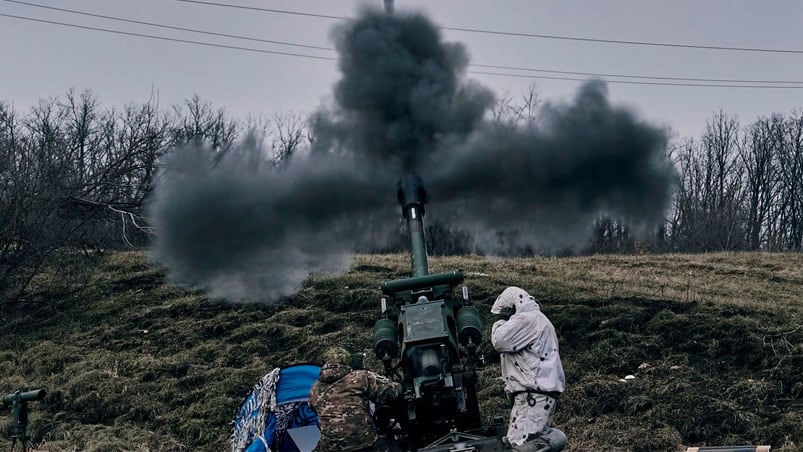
pixel 342 399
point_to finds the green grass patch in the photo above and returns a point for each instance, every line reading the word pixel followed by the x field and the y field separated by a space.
pixel 715 342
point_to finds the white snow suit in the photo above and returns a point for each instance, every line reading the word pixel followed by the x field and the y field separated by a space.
pixel 530 362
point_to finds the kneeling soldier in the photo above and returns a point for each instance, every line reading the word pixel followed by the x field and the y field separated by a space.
pixel 342 398
pixel 530 362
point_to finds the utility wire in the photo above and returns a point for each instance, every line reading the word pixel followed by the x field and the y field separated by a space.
pixel 510 33
pixel 489 66
pixel 250 49
pixel 265 10
pixel 139 22
pixel 163 38
pixel 634 82
pixel 621 41
pixel 649 77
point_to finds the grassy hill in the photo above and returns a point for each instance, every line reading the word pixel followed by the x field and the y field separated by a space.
pixel 132 363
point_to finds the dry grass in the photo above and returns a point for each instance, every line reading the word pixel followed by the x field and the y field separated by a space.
pixel 133 364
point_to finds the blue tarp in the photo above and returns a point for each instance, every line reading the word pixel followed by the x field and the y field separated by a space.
pixel 295 382
pixel 291 393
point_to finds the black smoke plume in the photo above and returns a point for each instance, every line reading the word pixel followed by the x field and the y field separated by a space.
pixel 402 95
pixel 542 187
pixel 247 229
pixel 403 99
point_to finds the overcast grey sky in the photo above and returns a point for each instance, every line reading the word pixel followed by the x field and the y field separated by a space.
pixel 41 60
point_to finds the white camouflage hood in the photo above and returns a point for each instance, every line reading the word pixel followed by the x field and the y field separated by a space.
pixel 514 297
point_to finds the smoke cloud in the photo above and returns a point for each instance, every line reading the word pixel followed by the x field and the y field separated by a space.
pixel 244 228
pixel 544 186
pixel 247 229
pixel 402 95
pixel 403 100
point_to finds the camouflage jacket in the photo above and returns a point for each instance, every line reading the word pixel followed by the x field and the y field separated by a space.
pixel 342 397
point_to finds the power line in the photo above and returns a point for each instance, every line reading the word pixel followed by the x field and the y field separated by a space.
pixel 490 66
pixel 298 55
pixel 650 77
pixel 163 38
pixel 265 10
pixel 634 82
pixel 523 35
pixel 151 24
pixel 621 41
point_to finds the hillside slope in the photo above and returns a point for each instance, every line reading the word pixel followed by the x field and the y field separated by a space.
pixel 133 363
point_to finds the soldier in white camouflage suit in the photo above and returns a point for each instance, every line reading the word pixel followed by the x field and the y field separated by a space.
pixel 530 363
pixel 342 399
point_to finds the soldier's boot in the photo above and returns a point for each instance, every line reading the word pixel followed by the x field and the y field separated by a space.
pixel 547 440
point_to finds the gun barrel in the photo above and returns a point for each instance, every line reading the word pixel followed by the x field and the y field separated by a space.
pixel 451 278
pixel 412 196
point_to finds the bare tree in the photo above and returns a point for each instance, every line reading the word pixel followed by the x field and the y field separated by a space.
pixel 758 154
pixel 529 108
pixel 197 120
pixel 10 206
pixel 688 213
pixel 707 205
pixel 290 130
pixel 522 111
pixel 73 175
pixel 722 191
pixel 134 140
pixel 30 174
pixel 790 168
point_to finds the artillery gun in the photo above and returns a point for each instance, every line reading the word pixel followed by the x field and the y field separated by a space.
pixel 428 338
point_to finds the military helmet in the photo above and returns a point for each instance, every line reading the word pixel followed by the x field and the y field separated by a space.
pixel 337 355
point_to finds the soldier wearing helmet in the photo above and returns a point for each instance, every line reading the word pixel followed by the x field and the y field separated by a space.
pixel 342 398
pixel 530 363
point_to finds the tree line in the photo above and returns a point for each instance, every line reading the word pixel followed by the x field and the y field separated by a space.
pixel 75 176
pixel 739 188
